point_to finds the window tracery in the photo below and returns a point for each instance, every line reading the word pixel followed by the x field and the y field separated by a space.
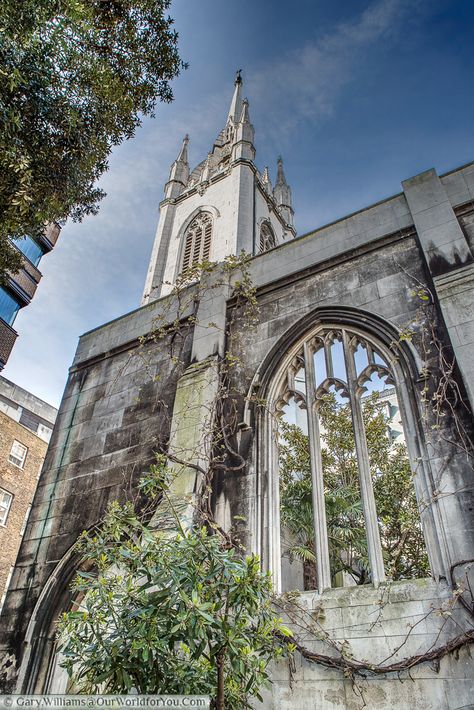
pixel 347 511
pixel 267 237
pixel 197 241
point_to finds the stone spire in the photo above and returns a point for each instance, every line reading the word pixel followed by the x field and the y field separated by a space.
pixel 183 153
pixel 179 172
pixel 245 114
pixel 282 194
pixel 206 171
pixel 229 189
pixel 236 103
pixel 243 146
pixel 266 180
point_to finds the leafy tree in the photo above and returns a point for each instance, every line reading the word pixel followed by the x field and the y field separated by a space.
pixel 177 611
pixel 398 515
pixel 76 77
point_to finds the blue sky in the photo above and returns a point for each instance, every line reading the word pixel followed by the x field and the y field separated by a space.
pixel 356 95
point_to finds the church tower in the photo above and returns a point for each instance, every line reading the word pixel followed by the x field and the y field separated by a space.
pixel 223 206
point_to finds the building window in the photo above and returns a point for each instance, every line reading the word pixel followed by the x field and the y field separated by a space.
pixel 30 248
pixel 9 306
pixel 44 432
pixel 267 237
pixel 197 241
pixel 18 454
pixel 5 505
pixel 344 502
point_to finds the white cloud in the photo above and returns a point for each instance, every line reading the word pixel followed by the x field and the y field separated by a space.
pixel 305 84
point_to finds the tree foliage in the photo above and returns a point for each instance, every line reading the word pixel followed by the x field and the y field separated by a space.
pixel 177 611
pixel 76 76
pixel 397 510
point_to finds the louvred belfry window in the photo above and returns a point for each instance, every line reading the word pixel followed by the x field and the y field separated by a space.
pixel 198 238
pixel 344 505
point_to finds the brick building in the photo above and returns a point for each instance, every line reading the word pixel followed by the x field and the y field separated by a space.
pixel 26 424
pixel 333 308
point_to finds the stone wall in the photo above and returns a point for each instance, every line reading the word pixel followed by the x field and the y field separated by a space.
pixel 115 413
pixel 366 267
pixel 382 281
pixel 374 624
pixel 379 281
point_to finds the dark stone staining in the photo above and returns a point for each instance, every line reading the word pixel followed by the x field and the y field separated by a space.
pixel 466 223
pixel 440 264
pixel 90 466
pixel 404 259
pixel 76 451
pixel 124 438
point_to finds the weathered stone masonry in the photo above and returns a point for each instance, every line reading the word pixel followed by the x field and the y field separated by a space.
pixel 361 270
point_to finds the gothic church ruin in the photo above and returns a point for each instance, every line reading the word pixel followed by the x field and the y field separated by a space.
pixel 376 309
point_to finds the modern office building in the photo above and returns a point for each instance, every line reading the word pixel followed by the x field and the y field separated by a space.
pixel 21 287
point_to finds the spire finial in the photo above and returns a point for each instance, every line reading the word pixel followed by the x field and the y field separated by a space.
pixel 244 115
pixel 183 153
pixel 281 180
pixel 282 194
pixel 236 103
pixel 266 180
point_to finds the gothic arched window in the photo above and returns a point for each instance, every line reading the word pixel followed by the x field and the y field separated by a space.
pixel 344 505
pixel 267 237
pixel 197 241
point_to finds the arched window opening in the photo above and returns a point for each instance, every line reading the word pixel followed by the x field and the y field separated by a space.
pixel 197 241
pixel 267 237
pixel 229 133
pixel 348 511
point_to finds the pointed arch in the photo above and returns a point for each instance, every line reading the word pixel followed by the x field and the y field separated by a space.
pixel 187 236
pixel 38 661
pixel 197 241
pixel 296 349
pixel 267 237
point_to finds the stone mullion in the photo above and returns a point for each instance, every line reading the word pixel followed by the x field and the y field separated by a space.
pixel 363 462
pixel 319 507
pixel 328 358
pixel 274 521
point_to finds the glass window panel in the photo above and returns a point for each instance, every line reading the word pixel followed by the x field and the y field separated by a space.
pixel 344 512
pixel 30 249
pixel 298 567
pixel 5 504
pixel 398 516
pixel 320 366
pixel 338 364
pixel 9 306
pixel 18 454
